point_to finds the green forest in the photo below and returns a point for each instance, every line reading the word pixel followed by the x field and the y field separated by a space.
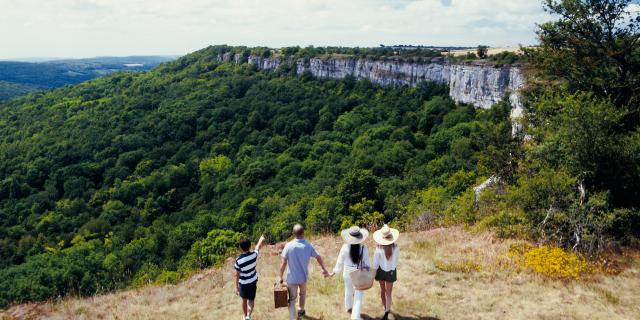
pixel 146 177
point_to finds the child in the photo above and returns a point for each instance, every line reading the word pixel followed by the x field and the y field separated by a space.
pixel 246 275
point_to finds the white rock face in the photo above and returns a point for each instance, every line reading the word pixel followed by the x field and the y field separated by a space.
pixel 386 73
pixel 476 84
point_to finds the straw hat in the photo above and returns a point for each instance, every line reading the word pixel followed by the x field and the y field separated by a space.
pixel 354 235
pixel 386 235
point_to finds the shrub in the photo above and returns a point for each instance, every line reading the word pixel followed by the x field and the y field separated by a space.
pixel 550 261
pixel 507 223
pixel 168 277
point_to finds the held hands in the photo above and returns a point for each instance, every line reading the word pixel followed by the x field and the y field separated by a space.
pixel 327 274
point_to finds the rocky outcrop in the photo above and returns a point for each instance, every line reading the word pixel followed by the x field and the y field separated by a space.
pixel 478 84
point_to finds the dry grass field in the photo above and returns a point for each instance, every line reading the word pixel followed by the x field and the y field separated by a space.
pixel 490 51
pixel 444 274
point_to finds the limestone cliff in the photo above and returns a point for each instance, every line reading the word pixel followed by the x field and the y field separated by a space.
pixel 478 84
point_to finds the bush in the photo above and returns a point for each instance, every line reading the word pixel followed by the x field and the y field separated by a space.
pixel 507 223
pixel 551 262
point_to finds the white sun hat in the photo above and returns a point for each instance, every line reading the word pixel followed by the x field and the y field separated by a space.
pixel 386 235
pixel 354 235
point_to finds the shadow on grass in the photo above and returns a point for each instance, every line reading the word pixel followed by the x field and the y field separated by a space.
pixel 368 317
pixel 401 317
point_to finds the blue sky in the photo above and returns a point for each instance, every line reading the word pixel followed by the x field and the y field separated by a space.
pixel 86 28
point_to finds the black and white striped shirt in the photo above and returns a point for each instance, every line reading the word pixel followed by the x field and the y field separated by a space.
pixel 246 265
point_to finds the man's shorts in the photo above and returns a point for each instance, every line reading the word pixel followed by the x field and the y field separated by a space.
pixel 248 291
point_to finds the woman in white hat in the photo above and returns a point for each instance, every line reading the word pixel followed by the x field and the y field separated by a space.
pixel 385 262
pixel 353 255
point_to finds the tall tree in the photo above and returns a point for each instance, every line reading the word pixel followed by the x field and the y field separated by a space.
pixel 593 45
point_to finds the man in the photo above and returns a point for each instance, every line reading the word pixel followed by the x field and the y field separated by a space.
pixel 296 255
pixel 246 275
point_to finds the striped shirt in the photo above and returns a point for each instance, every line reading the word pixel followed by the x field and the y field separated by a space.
pixel 246 265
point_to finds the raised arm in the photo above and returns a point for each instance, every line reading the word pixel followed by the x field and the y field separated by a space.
pixel 260 243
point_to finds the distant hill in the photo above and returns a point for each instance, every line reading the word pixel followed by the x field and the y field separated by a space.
pixel 18 78
pixel 9 90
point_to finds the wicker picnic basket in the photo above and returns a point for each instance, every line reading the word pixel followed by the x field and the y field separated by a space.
pixel 280 295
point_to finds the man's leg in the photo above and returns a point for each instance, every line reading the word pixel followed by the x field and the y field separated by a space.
pixel 303 295
pixel 293 295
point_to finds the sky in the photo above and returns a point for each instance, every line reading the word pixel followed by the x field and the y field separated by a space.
pixel 89 28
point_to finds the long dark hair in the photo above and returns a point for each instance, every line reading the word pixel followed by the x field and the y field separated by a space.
pixel 388 250
pixel 355 254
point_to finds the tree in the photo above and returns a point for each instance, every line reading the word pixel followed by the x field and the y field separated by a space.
pixel 593 45
pixel 482 51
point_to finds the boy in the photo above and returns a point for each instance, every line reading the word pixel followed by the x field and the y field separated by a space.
pixel 246 275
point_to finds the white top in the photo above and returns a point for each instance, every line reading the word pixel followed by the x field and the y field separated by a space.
pixel 345 263
pixel 380 260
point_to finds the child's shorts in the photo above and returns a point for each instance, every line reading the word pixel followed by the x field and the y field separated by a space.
pixel 248 291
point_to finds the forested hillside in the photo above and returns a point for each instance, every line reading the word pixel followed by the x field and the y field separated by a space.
pixel 19 78
pixel 9 90
pixel 147 176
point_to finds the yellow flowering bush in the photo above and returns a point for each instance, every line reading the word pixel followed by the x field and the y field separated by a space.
pixel 550 261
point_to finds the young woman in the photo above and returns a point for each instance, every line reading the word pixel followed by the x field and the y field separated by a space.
pixel 353 255
pixel 385 262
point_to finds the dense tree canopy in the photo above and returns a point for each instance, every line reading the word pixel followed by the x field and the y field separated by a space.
pixel 141 177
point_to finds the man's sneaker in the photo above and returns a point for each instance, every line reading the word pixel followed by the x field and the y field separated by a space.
pixel 301 313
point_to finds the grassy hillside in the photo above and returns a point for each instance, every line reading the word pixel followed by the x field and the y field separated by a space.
pixel 439 287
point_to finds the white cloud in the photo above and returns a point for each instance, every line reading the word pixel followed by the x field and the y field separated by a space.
pixel 64 28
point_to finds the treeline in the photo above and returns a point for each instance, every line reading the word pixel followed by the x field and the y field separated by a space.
pixel 145 177
pixel 298 52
